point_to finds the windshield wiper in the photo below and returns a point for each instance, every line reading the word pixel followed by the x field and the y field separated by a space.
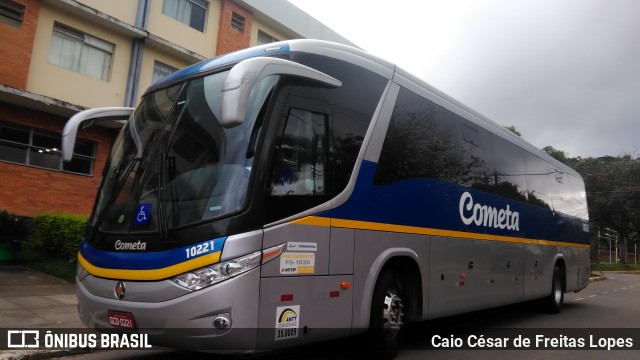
pixel 162 213
pixel 114 195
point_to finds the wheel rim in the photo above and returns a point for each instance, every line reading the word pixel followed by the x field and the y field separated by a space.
pixel 557 291
pixel 392 314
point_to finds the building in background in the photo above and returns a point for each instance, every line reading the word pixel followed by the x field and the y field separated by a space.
pixel 59 57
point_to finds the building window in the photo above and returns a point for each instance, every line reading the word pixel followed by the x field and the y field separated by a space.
pixel 11 12
pixel 22 145
pixel 80 52
pixel 189 12
pixel 237 22
pixel 264 38
pixel 161 71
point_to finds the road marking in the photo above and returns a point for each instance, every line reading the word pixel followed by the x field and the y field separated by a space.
pixel 606 292
pixel 624 289
pixel 592 296
pixel 578 299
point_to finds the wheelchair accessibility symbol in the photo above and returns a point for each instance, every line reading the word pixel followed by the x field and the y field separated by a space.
pixel 143 214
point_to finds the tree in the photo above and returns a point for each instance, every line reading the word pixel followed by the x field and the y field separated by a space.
pixel 613 195
pixel 560 155
pixel 513 130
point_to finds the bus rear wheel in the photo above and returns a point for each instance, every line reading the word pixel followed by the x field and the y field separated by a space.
pixel 554 301
pixel 386 316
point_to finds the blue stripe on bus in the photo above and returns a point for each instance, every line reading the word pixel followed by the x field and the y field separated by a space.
pixel 132 260
pixel 430 203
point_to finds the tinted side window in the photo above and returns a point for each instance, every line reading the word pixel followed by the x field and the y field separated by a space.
pixel 301 155
pixel 508 175
pixel 300 171
pixel 578 197
pixel 539 181
pixel 351 107
pixel 561 191
pixel 320 133
pixel 420 142
pixel 474 144
pixel 425 140
pixel 551 188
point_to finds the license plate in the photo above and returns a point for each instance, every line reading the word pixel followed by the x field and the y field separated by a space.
pixel 121 319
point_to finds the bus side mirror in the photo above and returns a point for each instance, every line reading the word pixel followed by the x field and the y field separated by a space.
pixel 88 118
pixel 236 88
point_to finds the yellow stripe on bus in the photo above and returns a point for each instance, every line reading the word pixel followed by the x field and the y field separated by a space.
pixel 153 274
pixel 366 225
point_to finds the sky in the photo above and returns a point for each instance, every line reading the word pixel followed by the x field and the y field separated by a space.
pixel 565 73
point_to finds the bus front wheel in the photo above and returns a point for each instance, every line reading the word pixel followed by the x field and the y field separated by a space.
pixel 387 315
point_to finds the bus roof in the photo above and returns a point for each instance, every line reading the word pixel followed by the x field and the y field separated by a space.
pixel 360 58
pixel 320 47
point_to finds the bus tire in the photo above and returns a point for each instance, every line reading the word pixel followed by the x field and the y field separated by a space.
pixel 386 321
pixel 554 301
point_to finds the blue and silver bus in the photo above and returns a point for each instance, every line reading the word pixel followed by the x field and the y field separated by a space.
pixel 306 190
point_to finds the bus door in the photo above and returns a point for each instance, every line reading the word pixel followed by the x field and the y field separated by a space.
pixel 301 297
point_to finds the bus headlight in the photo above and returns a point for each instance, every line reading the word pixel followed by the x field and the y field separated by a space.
pixel 213 274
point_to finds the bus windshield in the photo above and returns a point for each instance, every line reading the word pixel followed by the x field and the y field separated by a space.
pixel 173 164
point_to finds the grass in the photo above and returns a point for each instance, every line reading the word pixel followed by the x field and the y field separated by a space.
pixel 614 267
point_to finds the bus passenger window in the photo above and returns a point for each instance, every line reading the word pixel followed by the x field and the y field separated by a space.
pixel 508 175
pixel 301 158
pixel 540 181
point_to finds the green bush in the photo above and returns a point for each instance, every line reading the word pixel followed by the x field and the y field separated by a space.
pixel 14 231
pixel 60 234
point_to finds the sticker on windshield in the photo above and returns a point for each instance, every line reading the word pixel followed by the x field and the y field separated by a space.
pixel 143 214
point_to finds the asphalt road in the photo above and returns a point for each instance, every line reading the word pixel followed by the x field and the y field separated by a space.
pixel 605 309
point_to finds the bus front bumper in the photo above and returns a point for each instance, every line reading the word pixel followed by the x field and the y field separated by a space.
pixel 186 321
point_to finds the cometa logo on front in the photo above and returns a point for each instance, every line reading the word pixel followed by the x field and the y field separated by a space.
pixel 488 216
pixel 139 245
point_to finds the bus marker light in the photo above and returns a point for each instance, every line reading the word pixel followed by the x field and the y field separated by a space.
pixel 272 253
pixel 334 294
pixel 287 297
pixel 463 276
pixel 345 285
